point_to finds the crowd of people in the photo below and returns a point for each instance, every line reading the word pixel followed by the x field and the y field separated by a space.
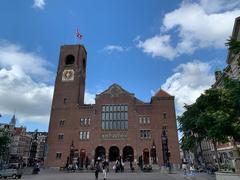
pixel 102 165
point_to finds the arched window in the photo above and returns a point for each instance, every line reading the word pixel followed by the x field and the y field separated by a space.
pixel 114 153
pixel 69 60
pixel 128 153
pixel 100 152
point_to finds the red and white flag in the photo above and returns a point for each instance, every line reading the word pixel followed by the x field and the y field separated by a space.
pixel 79 36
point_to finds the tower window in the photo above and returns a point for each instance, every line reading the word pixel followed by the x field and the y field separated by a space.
pixel 70 59
pixel 60 136
pixel 61 123
pixel 84 65
pixel 164 115
pixel 58 155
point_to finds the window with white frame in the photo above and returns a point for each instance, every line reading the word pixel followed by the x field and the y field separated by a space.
pixel 145 134
pixel 84 135
pixel 144 120
pixel 85 121
pixel 115 117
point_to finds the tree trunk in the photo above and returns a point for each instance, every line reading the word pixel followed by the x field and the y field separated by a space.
pixel 216 153
pixel 201 153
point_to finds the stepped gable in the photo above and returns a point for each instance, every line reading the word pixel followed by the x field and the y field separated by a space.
pixel 162 93
pixel 116 90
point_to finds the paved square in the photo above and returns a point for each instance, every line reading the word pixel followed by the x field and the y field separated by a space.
pixel 116 176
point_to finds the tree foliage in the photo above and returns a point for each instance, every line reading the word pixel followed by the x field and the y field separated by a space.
pixel 233 46
pixel 214 116
pixel 233 87
pixel 4 142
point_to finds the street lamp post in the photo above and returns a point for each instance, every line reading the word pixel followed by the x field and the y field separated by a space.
pixel 165 148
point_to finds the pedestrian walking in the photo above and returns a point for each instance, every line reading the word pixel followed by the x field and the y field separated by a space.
pixel 191 169
pixel 131 166
pixel 104 167
pixel 116 167
pixel 184 167
pixel 97 170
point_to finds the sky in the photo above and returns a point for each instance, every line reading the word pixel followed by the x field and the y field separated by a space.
pixel 141 45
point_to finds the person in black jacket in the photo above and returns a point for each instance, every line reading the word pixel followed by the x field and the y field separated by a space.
pixel 105 168
pixel 97 170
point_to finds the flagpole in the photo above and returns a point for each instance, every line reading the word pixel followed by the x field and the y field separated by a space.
pixel 78 36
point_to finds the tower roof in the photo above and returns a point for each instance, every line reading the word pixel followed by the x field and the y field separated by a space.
pixel 13 120
pixel 161 93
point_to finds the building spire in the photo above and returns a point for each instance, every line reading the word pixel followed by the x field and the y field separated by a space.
pixel 13 120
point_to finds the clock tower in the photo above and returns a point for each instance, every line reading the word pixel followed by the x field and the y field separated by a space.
pixel 71 75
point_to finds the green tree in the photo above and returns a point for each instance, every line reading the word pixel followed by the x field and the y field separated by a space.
pixel 193 134
pixel 233 45
pixel 210 117
pixel 4 143
pixel 233 88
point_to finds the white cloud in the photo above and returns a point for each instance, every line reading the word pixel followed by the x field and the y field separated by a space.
pixel 31 63
pixel 196 27
pixel 18 91
pixel 158 46
pixel 89 98
pixel 114 48
pixel 39 4
pixel 188 82
pixel 211 6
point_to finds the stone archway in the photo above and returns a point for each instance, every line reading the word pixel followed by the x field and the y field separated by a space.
pixel 128 153
pixel 114 153
pixel 100 152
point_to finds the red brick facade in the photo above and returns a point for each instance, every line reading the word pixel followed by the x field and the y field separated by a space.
pixel 140 127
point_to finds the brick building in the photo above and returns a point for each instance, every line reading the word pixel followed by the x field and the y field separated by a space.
pixel 117 125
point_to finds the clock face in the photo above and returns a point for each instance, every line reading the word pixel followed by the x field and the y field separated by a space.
pixel 68 75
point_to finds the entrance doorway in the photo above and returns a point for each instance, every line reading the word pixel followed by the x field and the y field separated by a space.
pixel 82 157
pixel 128 153
pixel 114 153
pixel 100 152
pixel 154 155
pixel 146 156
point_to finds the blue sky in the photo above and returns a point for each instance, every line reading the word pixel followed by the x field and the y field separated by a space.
pixel 141 45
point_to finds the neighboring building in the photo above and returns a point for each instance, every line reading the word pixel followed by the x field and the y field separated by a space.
pixel 232 71
pixel 37 149
pixel 233 60
pixel 207 152
pixel 20 147
pixel 117 125
pixel 25 147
